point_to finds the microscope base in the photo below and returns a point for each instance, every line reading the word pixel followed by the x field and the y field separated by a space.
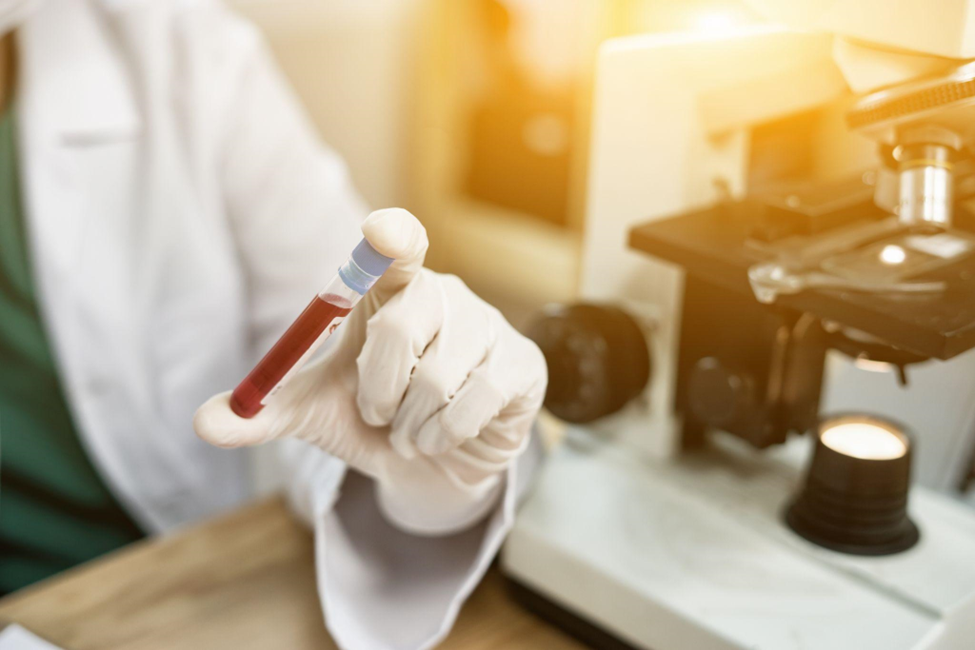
pixel 569 622
pixel 692 553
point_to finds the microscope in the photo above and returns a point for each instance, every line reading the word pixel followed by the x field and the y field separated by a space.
pixel 779 263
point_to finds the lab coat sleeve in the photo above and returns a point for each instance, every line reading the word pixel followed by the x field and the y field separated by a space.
pixel 295 216
pixel 385 589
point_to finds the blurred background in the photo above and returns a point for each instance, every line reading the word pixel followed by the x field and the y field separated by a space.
pixel 473 114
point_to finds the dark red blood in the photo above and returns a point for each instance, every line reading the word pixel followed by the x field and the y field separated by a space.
pixel 315 319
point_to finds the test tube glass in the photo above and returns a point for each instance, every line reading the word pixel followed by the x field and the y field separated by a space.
pixel 314 325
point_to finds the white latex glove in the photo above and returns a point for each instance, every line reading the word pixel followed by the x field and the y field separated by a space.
pixel 429 391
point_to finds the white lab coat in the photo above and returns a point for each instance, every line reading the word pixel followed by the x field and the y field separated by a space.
pixel 180 213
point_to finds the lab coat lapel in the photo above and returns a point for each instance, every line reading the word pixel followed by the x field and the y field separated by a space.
pixel 79 135
pixel 73 93
pixel 69 64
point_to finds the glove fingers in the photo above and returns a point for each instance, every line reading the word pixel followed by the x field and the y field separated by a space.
pixel 432 385
pixel 499 442
pixel 392 349
pixel 495 402
pixel 509 431
pixel 458 345
pixel 473 407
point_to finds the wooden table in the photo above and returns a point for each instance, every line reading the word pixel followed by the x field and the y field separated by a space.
pixel 243 581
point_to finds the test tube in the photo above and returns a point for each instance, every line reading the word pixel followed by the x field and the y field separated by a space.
pixel 316 323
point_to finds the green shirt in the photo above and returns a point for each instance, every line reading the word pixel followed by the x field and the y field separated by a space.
pixel 55 510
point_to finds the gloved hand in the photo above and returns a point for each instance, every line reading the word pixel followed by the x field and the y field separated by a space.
pixel 428 390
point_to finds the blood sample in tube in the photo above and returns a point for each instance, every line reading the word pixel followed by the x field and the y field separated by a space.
pixel 306 334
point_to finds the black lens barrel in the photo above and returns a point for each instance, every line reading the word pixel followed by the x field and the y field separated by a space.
pixel 855 505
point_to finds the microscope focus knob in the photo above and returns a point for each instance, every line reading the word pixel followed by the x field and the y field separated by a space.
pixel 719 395
pixel 597 358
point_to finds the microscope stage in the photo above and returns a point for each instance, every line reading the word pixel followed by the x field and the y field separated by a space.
pixel 712 245
pixel 693 554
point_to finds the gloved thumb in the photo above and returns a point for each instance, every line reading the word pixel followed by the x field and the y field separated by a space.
pixel 396 233
pixel 322 414
pixel 218 425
